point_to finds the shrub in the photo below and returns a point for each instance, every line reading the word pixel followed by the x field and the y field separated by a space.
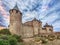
pixel 21 43
pixel 51 37
pixel 58 37
pixel 37 39
pixel 13 41
pixel 44 40
pixel 4 37
pixel 19 39
pixel 5 32
pixel 4 42
pixel 7 40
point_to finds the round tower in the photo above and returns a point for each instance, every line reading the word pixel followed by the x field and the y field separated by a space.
pixel 15 21
pixel 49 28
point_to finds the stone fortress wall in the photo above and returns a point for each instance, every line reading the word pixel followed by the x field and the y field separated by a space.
pixel 28 29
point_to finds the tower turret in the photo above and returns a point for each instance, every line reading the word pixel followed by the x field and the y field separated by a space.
pixel 37 25
pixel 49 28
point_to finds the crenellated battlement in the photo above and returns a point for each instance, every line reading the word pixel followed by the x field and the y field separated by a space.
pixel 15 11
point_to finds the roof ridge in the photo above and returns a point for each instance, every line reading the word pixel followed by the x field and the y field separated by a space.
pixel 16 7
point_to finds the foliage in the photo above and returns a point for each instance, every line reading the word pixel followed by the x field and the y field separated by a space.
pixel 37 39
pixel 19 39
pixel 51 37
pixel 58 37
pixel 5 31
pixel 21 43
pixel 12 41
pixel 7 40
pixel 44 40
pixel 4 42
pixel 4 37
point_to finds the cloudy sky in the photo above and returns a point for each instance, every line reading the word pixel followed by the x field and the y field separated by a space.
pixel 48 11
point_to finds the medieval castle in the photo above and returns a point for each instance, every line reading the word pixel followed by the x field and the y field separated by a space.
pixel 27 29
